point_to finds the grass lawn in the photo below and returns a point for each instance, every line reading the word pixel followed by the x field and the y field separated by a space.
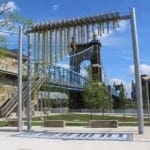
pixel 86 117
pixel 82 119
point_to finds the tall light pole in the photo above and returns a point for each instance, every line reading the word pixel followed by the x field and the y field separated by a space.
pixel 137 72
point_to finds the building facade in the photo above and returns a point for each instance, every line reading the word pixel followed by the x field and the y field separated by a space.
pixel 9 73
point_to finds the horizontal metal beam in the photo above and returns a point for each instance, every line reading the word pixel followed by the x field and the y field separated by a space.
pixel 127 17
pixel 80 21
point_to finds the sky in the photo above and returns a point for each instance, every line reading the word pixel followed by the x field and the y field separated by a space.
pixel 116 50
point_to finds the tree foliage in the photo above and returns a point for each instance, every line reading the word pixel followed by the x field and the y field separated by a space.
pixel 96 95
pixel 10 19
pixel 122 97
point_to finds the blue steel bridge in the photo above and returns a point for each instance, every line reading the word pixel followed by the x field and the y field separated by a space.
pixel 65 78
pixel 61 77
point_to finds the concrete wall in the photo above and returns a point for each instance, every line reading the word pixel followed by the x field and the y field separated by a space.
pixel 11 64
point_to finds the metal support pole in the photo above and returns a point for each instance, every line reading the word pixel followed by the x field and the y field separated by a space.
pixel 29 107
pixel 20 81
pixel 41 105
pixel 147 96
pixel 137 72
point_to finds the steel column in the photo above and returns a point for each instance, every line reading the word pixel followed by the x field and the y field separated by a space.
pixel 29 111
pixel 137 72
pixel 20 81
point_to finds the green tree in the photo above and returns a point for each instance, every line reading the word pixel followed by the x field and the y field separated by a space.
pixel 123 98
pixel 105 99
pixel 96 95
pixel 10 19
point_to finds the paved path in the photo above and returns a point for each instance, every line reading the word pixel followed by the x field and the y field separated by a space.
pixel 8 142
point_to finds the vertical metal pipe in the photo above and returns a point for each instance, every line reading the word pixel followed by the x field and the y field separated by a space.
pixel 51 49
pixel 93 29
pixel 60 44
pixel 20 81
pixel 35 58
pixel 41 105
pixel 37 109
pixel 137 72
pixel 87 33
pixel 103 28
pixel 56 47
pixel 38 53
pixel 79 32
pixel 46 49
pixel 98 29
pixel 74 33
pixel 107 24
pixel 43 51
pixel 100 26
pixel 82 34
pixel 29 107
pixel 65 41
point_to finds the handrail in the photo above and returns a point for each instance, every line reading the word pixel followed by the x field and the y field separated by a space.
pixel 10 105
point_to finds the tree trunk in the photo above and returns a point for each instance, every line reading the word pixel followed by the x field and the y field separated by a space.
pixel 103 110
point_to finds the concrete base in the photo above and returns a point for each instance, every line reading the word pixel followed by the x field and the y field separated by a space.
pixel 54 123
pixel 103 123
pixel 13 123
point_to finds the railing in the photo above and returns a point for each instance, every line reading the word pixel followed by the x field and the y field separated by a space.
pixel 65 77
pixel 11 104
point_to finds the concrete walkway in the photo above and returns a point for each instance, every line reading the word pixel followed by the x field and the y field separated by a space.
pixel 8 142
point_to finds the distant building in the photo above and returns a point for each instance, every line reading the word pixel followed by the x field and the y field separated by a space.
pixel 145 79
pixel 115 94
pixel 9 73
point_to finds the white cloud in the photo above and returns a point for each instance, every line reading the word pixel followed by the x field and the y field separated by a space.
pixel 83 72
pixel 9 5
pixel 123 25
pixel 104 38
pixel 111 40
pixel 144 69
pixel 55 7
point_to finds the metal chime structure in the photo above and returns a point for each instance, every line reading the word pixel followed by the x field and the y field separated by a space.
pixel 51 42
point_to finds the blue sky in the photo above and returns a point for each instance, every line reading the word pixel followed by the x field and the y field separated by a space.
pixel 116 48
